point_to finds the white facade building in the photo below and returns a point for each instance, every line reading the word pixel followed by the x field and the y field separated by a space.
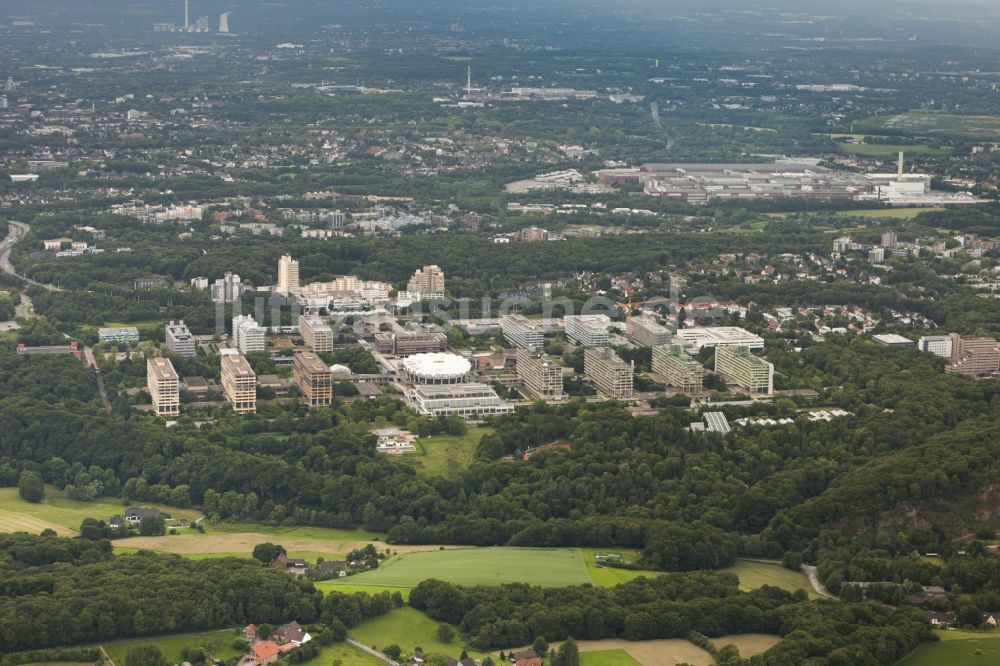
pixel 587 330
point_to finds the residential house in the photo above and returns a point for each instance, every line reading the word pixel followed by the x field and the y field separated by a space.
pixel 265 652
pixel 116 522
pixel 991 619
pixel 333 568
pixel 249 633
pixel 524 654
pixel 291 633
pixel 941 619
pixel 134 515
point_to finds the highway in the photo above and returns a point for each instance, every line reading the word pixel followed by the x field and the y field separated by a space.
pixel 18 230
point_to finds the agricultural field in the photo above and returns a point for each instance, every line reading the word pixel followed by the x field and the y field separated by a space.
pixel 445 455
pixel 610 576
pixel 905 213
pixel 552 567
pixel 748 644
pixel 607 658
pixel 956 648
pixel 753 574
pixel 59 513
pixel 345 586
pixel 217 643
pixel 662 652
pixel 408 628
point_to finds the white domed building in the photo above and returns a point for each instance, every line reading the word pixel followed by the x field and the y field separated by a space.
pixel 436 368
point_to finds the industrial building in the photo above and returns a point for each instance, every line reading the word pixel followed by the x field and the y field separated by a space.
pixel 470 400
pixel 893 340
pixel 939 345
pixel 587 330
pixel 523 332
pixel 314 379
pixel 678 369
pixel 248 335
pixel 288 275
pixel 316 333
pixel 611 375
pixel 645 331
pixel 126 334
pixel 163 385
pixel 974 356
pixel 179 339
pixel 540 374
pixel 239 383
pixel 717 336
pixel 739 366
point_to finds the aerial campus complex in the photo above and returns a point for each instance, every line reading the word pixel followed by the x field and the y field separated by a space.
pixel 519 333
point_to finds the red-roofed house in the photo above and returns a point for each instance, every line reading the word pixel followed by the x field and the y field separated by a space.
pixel 266 652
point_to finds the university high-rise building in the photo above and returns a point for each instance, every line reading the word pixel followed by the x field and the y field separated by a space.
pixel 587 330
pixel 427 281
pixel 179 339
pixel 288 275
pixel 227 288
pixel 317 334
pixel 678 369
pixel 739 366
pixel 523 332
pixel 645 331
pixel 974 355
pixel 164 386
pixel 540 374
pixel 239 383
pixel 248 335
pixel 314 379
pixel 611 375
pixel 939 345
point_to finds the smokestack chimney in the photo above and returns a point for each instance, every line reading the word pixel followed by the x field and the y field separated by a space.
pixel 186 24
pixel 899 167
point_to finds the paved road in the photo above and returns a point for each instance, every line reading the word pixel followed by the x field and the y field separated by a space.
pixel 374 653
pixel 17 231
pixel 88 354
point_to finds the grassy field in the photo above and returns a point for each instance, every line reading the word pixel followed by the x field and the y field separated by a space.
pixel 924 122
pixel 348 656
pixel 956 648
pixel 346 586
pixel 748 644
pixel 445 455
pixel 607 658
pixel 609 576
pixel 888 150
pixel 663 652
pixel 61 514
pixel 408 628
pixel 905 213
pixel 552 567
pixel 217 643
pixel 753 575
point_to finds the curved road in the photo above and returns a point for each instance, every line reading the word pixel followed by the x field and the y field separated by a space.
pixel 17 231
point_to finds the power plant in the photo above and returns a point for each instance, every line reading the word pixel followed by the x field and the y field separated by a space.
pixel 224 23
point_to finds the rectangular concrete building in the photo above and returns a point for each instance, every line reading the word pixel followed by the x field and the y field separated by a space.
pixel 540 374
pixel 587 330
pixel 718 336
pixel 317 334
pixel 974 356
pixel 314 379
pixel 739 366
pixel 523 332
pixel 248 335
pixel 179 339
pixel 469 401
pixel 239 383
pixel 163 385
pixel 647 332
pixel 680 370
pixel 611 375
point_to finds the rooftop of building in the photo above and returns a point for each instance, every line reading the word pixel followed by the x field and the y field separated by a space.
pixel 236 364
pixel 162 368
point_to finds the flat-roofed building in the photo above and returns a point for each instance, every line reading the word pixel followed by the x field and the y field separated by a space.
pixel 239 383
pixel 540 374
pixel 128 334
pixel 179 339
pixel 893 340
pixel 164 386
pixel 679 369
pixel 314 379
pixel 523 332
pixel 248 335
pixel 611 375
pixel 645 331
pixel 587 330
pixel 939 345
pixel 718 336
pixel 317 334
pixel 427 282
pixel 469 401
pixel 288 275
pixel 974 356
pixel 739 366
pixel 407 343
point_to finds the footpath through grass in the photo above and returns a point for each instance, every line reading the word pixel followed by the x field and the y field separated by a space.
pixel 408 628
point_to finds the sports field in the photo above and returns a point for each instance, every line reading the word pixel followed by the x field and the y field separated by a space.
pixel 552 567
pixel 956 648
pixel 445 455
pixel 753 575
pixel 63 515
